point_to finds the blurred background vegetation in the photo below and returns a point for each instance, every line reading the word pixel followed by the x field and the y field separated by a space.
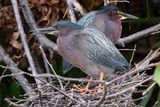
pixel 147 10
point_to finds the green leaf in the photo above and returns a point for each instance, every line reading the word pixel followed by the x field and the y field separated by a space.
pixel 157 74
pixel 157 103
pixel 148 94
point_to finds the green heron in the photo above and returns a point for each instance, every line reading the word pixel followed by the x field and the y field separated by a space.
pixel 87 48
pixel 107 20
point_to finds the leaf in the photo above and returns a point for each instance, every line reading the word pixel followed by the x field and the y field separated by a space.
pixel 157 74
pixel 148 94
pixel 157 103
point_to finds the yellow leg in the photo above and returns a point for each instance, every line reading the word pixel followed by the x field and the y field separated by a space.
pixel 101 77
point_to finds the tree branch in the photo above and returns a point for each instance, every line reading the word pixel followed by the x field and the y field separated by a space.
pixel 78 7
pixel 24 41
pixel 138 35
pixel 71 11
pixel 20 78
pixel 129 89
pixel 45 42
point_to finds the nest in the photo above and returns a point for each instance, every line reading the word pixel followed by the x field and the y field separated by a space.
pixel 115 93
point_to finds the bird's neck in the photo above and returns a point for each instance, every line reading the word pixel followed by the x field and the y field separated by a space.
pixel 110 25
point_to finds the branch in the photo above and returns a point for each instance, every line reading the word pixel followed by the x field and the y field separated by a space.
pixel 45 42
pixel 78 7
pixel 71 11
pixel 50 65
pixel 24 41
pixel 138 35
pixel 20 72
pixel 12 103
pixel 99 102
pixel 129 89
pixel 20 78
pixel 143 65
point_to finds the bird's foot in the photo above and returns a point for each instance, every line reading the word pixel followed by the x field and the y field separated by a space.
pixel 80 89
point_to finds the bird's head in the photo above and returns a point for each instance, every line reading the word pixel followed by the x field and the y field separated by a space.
pixel 115 12
pixel 66 24
pixel 56 27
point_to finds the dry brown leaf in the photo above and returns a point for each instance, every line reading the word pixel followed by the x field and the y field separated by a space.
pixel 45 18
pixel 54 1
pixel 14 41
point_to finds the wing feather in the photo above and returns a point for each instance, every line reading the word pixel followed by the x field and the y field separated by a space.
pixel 87 19
pixel 102 51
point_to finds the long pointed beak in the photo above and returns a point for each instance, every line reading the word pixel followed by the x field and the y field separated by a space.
pixel 48 30
pixel 127 16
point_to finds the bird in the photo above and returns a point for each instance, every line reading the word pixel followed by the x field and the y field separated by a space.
pixel 108 20
pixel 87 48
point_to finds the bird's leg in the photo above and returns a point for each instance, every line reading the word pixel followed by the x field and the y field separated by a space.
pixel 101 77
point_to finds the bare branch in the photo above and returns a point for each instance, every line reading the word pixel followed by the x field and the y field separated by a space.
pixel 140 66
pixel 24 41
pixel 138 35
pixel 130 88
pixel 71 11
pixel 20 78
pixel 78 7
pixel 13 104
pixel 45 42
pixel 51 68
pixel 102 98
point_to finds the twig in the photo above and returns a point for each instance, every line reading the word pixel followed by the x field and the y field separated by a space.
pixel 21 79
pixel 60 91
pixel 132 54
pixel 51 68
pixel 24 41
pixel 53 76
pixel 102 98
pixel 126 49
pixel 138 35
pixel 65 94
pixel 107 2
pixel 46 64
pixel 123 1
pixel 32 24
pixel 10 75
pixel 129 89
pixel 149 88
pixel 78 7
pixel 22 72
pixel 3 74
pixel 136 69
pixel 71 11
pixel 12 103
pixel 140 66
